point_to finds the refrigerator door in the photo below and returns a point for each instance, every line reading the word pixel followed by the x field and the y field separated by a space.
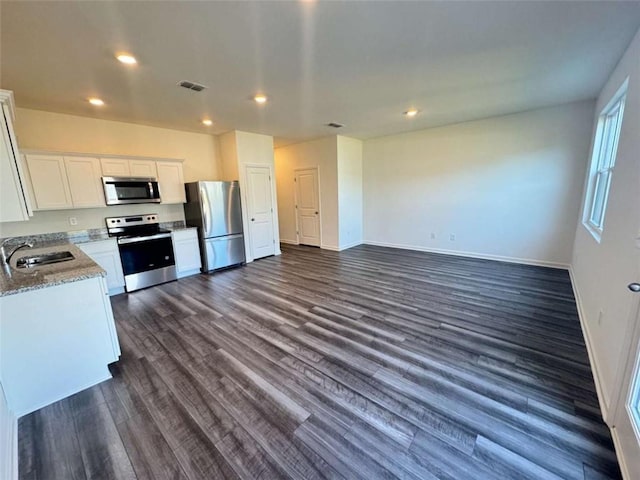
pixel 220 206
pixel 223 251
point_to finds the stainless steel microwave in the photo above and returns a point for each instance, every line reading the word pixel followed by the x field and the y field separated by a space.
pixel 123 190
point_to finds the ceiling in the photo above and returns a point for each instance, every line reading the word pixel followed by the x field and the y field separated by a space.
pixel 357 63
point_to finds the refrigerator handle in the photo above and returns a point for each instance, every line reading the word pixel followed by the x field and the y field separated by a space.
pixel 206 211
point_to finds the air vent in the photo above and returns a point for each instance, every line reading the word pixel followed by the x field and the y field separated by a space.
pixel 196 87
pixel 334 125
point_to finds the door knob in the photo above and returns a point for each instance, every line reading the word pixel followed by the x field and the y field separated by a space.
pixel 634 287
pixel 316 213
pixel 253 219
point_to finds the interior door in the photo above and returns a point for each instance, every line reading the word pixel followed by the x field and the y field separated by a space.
pixel 260 209
pixel 626 420
pixel 308 206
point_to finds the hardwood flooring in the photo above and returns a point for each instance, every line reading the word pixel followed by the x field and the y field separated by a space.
pixel 371 363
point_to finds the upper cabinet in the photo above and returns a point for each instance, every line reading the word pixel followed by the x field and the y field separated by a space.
pixel 85 181
pixel 115 167
pixel 60 182
pixel 171 182
pixel 15 205
pixel 49 182
pixel 123 167
pixel 143 168
pixel 67 181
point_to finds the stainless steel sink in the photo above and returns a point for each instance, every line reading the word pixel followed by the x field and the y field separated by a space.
pixel 31 261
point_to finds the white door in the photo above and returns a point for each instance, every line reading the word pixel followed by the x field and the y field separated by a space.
pixel 626 420
pixel 260 209
pixel 308 206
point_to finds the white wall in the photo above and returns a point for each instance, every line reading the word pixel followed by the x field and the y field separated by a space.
pixel 602 270
pixel 38 130
pixel 350 191
pixel 321 153
pixel 507 187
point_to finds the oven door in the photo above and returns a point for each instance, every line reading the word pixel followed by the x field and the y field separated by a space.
pixel 121 190
pixel 147 261
pixel 141 254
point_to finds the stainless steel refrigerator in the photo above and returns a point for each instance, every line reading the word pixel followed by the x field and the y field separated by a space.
pixel 214 208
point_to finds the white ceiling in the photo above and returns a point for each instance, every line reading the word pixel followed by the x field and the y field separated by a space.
pixel 357 63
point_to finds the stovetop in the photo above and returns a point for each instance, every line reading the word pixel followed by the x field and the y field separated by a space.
pixel 134 226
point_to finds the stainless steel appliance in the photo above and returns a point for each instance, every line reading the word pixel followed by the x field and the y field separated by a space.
pixel 214 207
pixel 123 190
pixel 146 250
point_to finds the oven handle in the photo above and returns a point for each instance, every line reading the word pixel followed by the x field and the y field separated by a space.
pixel 123 241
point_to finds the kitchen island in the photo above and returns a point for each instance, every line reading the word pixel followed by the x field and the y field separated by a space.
pixel 57 333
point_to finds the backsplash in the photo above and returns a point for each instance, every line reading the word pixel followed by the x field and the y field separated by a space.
pixel 80 236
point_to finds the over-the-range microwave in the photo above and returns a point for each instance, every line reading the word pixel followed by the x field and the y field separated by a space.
pixel 123 190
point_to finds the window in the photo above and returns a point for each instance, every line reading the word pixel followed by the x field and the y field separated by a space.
pixel 605 146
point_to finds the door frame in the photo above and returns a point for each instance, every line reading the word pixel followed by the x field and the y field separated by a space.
pixel 248 246
pixel 295 201
pixel 624 384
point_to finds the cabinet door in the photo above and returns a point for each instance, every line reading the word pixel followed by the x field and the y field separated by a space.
pixel 85 182
pixel 142 168
pixel 187 251
pixel 171 182
pixel 14 203
pixel 115 167
pixel 49 182
pixel 105 253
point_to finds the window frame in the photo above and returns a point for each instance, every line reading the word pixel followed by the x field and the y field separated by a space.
pixel 603 159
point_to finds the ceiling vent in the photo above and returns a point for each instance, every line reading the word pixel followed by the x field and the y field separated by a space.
pixel 334 125
pixel 196 87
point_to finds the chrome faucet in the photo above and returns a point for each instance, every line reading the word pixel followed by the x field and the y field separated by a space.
pixel 6 257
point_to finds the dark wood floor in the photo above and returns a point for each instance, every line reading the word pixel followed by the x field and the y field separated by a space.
pixel 369 363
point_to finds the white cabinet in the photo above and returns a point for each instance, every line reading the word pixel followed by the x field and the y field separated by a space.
pixel 55 342
pixel 142 168
pixel 62 182
pixel 85 181
pixel 171 182
pixel 49 182
pixel 15 204
pixel 115 167
pixel 105 253
pixel 187 251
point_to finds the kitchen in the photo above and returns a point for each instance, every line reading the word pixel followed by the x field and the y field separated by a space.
pixel 448 304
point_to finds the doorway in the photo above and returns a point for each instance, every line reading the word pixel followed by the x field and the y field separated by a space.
pixel 307 198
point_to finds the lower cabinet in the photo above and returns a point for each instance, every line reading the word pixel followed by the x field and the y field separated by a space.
pixel 187 251
pixel 54 342
pixel 105 253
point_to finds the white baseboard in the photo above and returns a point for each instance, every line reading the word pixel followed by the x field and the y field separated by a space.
pixel 290 242
pixel 602 399
pixel 350 245
pixel 458 253
pixel 330 247
pixel 621 461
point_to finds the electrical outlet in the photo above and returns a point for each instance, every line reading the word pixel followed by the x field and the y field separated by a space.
pixel 452 237
pixel 73 221
pixel 433 236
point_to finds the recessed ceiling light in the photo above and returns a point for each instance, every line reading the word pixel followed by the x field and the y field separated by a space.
pixel 260 98
pixel 207 122
pixel 126 58
pixel 96 101
pixel 412 112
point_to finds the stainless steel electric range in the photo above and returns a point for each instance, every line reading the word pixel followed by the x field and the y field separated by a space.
pixel 146 250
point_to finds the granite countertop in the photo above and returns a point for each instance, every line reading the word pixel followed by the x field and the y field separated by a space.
pixel 18 280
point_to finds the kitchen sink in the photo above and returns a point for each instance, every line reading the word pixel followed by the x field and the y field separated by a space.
pixel 31 261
